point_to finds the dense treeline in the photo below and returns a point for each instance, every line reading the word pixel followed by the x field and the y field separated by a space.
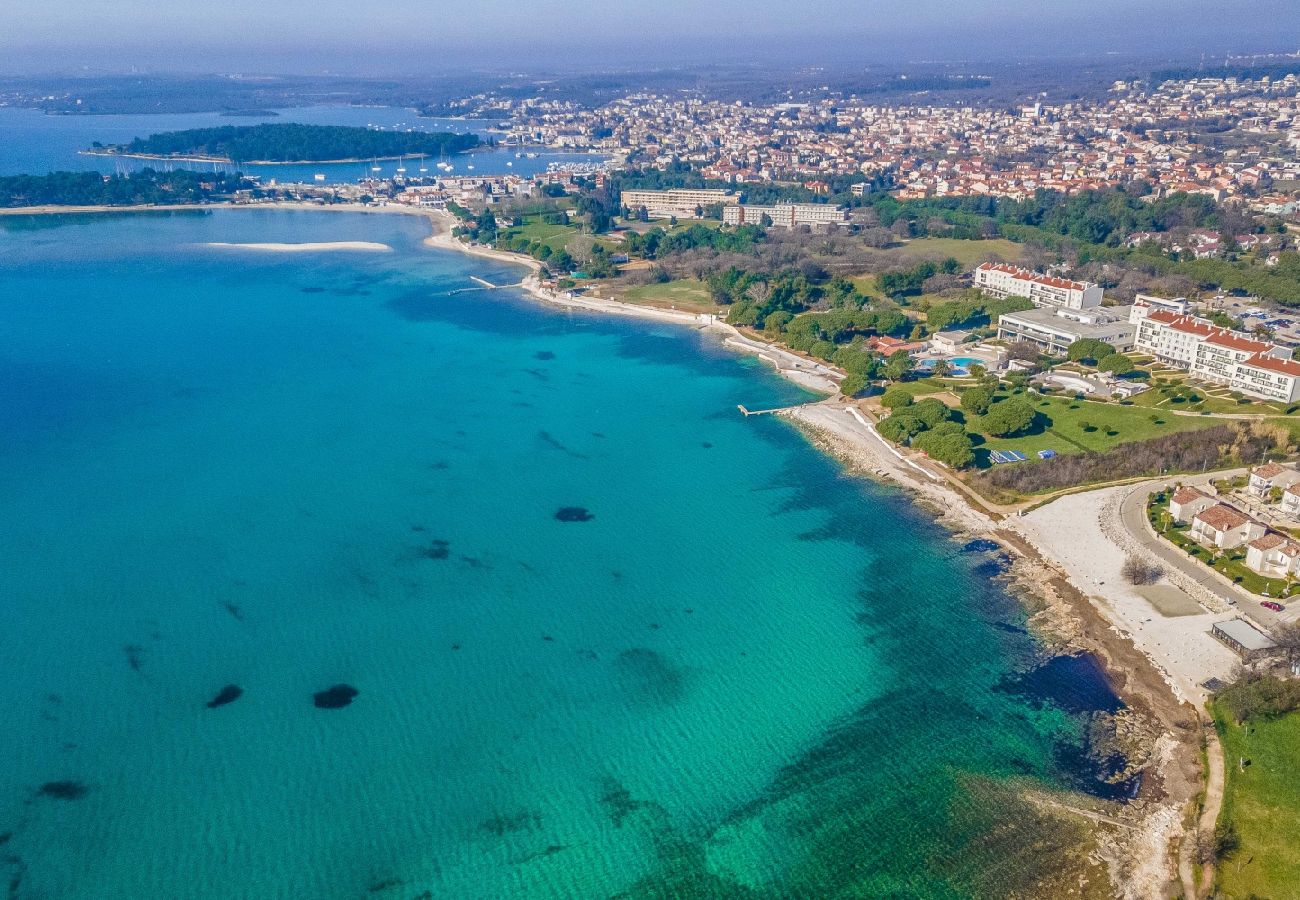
pixel 291 142
pixel 93 189
pixel 1187 451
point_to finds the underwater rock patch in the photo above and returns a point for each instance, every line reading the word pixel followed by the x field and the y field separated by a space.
pixel 650 677
pixel 63 790
pixel 313 290
pixel 525 820
pixel 543 354
pixel 436 550
pixel 235 612
pixel 980 545
pixel 228 694
pixel 574 514
pixel 337 697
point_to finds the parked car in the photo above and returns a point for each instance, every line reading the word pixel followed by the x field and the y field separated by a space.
pixel 1272 604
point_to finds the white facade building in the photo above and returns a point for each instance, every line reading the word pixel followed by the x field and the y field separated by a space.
pixel 1241 363
pixel 682 203
pixel 1056 329
pixel 1002 280
pixel 785 215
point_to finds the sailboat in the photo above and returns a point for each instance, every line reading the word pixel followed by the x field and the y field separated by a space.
pixel 423 167
pixel 401 165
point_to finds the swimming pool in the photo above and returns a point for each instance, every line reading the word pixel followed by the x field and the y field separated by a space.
pixel 958 365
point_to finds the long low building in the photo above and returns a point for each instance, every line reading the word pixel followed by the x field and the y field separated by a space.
pixel 1218 355
pixel 1002 280
pixel 681 203
pixel 1055 330
pixel 785 215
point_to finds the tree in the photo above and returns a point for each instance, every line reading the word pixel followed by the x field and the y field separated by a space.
pixel 853 384
pixel 898 366
pixel 1137 570
pixel 1008 417
pixel 1116 364
pixel 955 450
pixel 940 368
pixel 977 400
pixel 1025 351
pixel 1088 350
pixel 895 399
pixel 1287 637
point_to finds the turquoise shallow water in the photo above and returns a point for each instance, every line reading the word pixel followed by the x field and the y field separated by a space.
pixel 745 675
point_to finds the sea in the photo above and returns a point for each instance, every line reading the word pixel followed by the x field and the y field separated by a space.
pixel 33 143
pixel 336 575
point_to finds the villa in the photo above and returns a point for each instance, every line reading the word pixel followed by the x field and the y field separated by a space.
pixel 1273 555
pixel 1291 501
pixel 1225 527
pixel 1187 502
pixel 1266 477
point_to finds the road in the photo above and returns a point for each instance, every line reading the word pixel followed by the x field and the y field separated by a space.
pixel 1134 517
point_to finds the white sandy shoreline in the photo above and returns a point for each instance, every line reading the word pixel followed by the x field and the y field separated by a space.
pixel 309 247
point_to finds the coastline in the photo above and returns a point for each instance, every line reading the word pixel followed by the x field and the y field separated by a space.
pixel 1073 606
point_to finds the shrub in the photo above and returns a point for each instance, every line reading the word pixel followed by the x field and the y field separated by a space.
pixel 1008 417
pixel 977 400
pixel 1139 571
pixel 895 399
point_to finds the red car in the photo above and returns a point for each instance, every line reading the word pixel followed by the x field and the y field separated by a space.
pixel 1272 604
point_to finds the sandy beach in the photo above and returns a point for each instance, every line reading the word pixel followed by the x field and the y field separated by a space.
pixel 363 246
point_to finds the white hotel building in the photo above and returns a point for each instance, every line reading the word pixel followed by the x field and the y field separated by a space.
pixel 1217 355
pixel 786 215
pixel 1002 280
pixel 682 203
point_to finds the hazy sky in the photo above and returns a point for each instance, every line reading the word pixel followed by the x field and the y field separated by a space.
pixel 378 36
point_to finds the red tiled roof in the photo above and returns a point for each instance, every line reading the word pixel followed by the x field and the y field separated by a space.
pixel 1029 275
pixel 1267 471
pixel 1187 495
pixel 1222 517
pixel 1273 364
pixel 1268 541
pixel 1232 342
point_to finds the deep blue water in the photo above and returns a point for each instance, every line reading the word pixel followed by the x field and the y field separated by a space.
pixel 32 143
pixel 739 670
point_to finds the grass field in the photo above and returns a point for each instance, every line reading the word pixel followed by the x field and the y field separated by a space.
pixel 1060 422
pixel 1263 804
pixel 968 253
pixel 684 293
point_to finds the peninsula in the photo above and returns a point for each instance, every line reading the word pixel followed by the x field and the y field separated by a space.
pixel 288 143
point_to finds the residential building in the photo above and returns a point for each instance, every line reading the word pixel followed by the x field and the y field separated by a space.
pixel 1187 502
pixel 786 215
pixel 1002 280
pixel 682 203
pixel 1225 527
pixel 1265 477
pixel 1055 329
pixel 1291 501
pixel 1257 368
pixel 1273 555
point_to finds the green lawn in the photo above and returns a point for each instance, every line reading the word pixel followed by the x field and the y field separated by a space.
pixel 1060 421
pixel 968 253
pixel 553 236
pixel 1174 392
pixel 1263 804
pixel 684 293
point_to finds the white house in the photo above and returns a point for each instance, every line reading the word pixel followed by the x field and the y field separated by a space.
pixel 1273 555
pixel 1271 475
pixel 1187 502
pixel 1225 527
pixel 1291 501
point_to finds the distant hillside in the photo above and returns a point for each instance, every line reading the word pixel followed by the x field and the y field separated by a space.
pixel 289 142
